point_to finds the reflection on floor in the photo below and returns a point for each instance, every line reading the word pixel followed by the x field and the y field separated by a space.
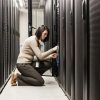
pixel 51 91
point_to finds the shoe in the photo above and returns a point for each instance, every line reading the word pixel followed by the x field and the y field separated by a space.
pixel 13 79
pixel 14 84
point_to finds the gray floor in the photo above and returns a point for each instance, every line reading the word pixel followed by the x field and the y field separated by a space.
pixel 51 91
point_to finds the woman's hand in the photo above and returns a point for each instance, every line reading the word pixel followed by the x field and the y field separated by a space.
pixel 55 48
pixel 54 55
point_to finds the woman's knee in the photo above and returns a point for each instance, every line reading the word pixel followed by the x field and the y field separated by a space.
pixel 40 82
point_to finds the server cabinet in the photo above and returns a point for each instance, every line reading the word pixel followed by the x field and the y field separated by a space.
pixel 48 21
pixel 16 33
pixel 94 16
pixel 72 13
pixel 55 37
pixel 9 35
pixel 69 48
pixel 29 17
pixel 5 35
pixel 57 15
pixel 12 34
pixel 1 45
pixel 62 73
pixel 8 39
pixel 79 50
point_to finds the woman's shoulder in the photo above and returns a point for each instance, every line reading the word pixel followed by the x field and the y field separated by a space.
pixel 31 38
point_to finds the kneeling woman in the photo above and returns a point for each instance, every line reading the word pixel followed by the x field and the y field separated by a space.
pixel 29 74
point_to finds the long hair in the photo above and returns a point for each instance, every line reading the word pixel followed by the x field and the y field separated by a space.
pixel 39 31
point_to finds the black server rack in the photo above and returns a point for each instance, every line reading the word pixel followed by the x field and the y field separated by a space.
pixel 9 39
pixel 62 73
pixel 1 50
pixel 57 15
pixel 94 72
pixel 72 13
pixel 54 37
pixel 12 35
pixel 9 35
pixel 81 50
pixel 5 35
pixel 16 33
pixel 48 21
pixel 69 48
pixel 29 17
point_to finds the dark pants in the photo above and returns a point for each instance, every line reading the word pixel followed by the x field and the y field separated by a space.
pixel 31 75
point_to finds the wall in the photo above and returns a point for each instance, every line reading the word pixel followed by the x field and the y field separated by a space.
pixel 37 20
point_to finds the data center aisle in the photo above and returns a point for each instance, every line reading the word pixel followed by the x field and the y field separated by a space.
pixel 51 91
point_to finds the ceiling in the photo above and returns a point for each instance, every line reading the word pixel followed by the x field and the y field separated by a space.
pixel 36 4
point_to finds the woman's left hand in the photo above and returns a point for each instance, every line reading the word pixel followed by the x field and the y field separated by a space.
pixel 54 55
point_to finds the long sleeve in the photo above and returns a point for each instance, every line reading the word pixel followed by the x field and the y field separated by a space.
pixel 30 49
pixel 37 51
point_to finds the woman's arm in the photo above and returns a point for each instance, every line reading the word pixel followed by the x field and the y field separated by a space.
pixel 41 55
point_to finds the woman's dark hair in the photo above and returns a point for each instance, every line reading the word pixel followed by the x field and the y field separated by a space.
pixel 39 31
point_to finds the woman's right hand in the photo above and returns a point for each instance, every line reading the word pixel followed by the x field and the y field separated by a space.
pixel 55 48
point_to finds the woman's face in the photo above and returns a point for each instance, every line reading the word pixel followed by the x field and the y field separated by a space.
pixel 44 35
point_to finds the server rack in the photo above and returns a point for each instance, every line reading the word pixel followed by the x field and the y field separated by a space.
pixel 29 17
pixel 17 35
pixel 9 39
pixel 48 21
pixel 12 35
pixel 58 21
pixel 54 37
pixel 1 54
pixel 58 36
pixel 94 72
pixel 5 39
pixel 82 47
pixel 62 72
pixel 11 43
pixel 72 13
pixel 81 50
pixel 69 47
pixel 9 35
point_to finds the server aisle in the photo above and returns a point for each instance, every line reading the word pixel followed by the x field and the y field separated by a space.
pixel 75 27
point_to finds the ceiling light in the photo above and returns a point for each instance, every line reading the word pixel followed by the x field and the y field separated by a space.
pixel 21 3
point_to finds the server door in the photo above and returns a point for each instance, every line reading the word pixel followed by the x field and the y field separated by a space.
pixel 94 16
pixel 80 49
pixel 69 49
pixel 1 51
pixel 63 43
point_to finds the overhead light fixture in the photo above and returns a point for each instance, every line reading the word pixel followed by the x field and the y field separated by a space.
pixel 42 3
pixel 16 3
pixel 21 3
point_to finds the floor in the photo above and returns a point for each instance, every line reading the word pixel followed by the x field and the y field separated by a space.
pixel 50 91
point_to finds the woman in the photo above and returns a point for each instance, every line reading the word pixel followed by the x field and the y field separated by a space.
pixel 31 75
